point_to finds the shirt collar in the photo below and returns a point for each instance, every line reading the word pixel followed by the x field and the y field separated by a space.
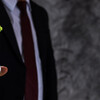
pixel 11 4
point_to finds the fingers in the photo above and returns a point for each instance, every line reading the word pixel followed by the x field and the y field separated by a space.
pixel 3 70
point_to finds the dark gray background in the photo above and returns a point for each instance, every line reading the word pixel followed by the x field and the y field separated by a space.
pixel 75 33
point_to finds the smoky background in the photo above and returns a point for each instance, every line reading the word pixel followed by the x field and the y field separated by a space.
pixel 75 33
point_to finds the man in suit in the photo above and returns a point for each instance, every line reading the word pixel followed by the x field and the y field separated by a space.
pixel 13 83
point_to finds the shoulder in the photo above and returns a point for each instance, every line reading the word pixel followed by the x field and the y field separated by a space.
pixel 39 14
pixel 38 9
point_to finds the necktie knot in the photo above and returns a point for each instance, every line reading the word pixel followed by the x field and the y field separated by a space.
pixel 22 6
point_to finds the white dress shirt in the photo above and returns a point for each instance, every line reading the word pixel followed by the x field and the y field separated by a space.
pixel 14 15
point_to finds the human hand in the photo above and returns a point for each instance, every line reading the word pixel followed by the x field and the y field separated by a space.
pixel 3 70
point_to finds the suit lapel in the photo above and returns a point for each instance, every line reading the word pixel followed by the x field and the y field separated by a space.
pixel 38 27
pixel 8 30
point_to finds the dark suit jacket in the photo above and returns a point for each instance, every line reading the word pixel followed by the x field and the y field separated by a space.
pixel 12 85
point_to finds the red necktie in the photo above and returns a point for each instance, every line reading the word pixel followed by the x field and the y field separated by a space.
pixel 31 89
